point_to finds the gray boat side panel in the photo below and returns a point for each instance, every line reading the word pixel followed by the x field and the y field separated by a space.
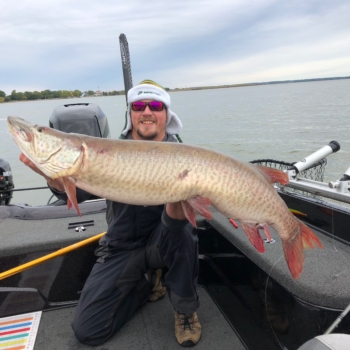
pixel 152 328
pixel 25 212
pixel 325 279
pixel 37 234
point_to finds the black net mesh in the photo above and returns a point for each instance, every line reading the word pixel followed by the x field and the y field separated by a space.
pixel 315 172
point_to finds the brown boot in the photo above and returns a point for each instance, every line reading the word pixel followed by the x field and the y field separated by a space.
pixel 188 330
pixel 158 290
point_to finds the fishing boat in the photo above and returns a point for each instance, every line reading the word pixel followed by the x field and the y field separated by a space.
pixel 248 300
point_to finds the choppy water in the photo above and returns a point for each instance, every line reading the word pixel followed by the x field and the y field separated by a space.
pixel 285 122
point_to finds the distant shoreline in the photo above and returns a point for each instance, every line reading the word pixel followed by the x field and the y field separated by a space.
pixel 202 88
pixel 255 84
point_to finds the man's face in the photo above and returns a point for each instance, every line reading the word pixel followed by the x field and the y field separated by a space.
pixel 148 125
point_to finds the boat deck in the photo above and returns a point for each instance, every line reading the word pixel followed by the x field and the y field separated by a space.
pixel 229 276
pixel 151 328
pixel 28 232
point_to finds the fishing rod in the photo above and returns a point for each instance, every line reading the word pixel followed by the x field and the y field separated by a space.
pixel 126 67
pixel 50 256
pixel 128 84
pixel 24 189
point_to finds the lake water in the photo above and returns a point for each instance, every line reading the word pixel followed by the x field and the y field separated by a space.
pixel 283 121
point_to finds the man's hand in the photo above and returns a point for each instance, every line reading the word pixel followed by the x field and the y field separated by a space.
pixel 56 184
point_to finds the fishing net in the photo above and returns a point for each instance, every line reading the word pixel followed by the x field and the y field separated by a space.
pixel 315 172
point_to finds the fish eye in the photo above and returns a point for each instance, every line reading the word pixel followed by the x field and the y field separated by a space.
pixel 40 129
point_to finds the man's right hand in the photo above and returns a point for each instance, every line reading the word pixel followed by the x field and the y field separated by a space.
pixel 56 184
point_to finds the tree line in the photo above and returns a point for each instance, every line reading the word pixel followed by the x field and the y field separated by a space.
pixel 48 94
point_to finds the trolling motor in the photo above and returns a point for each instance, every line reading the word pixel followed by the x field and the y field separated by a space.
pixel 6 182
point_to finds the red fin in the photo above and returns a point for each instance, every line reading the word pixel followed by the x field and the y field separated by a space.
pixel 201 206
pixel 70 190
pixel 233 223
pixel 310 240
pixel 274 175
pixel 294 250
pixel 189 213
pixel 267 232
pixel 252 232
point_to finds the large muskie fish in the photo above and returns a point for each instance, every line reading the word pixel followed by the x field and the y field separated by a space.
pixel 152 173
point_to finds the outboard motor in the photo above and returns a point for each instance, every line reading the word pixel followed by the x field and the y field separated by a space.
pixel 80 118
pixel 6 182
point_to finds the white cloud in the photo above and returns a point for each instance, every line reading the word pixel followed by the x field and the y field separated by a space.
pixel 64 44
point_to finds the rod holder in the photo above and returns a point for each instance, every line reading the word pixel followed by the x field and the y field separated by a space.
pixel 313 158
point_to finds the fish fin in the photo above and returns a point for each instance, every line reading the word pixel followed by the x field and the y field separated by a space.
pixel 310 240
pixel 233 223
pixel 189 213
pixel 267 232
pixel 201 206
pixel 274 175
pixel 294 250
pixel 252 232
pixel 70 190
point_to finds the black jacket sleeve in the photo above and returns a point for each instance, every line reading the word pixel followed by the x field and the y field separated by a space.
pixel 81 195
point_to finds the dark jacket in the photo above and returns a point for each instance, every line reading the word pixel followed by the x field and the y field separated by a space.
pixel 129 226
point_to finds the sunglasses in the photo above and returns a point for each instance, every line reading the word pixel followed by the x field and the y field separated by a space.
pixel 154 106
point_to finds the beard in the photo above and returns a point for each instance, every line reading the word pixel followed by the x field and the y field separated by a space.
pixel 148 137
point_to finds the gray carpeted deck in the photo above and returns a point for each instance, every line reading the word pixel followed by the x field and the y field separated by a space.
pixel 152 328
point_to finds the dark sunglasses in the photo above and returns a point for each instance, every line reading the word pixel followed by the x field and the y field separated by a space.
pixel 154 106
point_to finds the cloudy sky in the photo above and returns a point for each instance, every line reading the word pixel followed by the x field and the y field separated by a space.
pixel 67 45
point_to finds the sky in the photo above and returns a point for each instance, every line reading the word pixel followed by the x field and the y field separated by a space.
pixel 68 45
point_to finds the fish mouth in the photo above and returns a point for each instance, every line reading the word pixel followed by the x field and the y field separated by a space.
pixel 20 128
pixel 18 122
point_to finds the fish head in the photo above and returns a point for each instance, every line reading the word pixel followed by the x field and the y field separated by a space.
pixel 56 153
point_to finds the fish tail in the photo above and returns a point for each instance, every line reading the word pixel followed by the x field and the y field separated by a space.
pixel 294 249
pixel 310 240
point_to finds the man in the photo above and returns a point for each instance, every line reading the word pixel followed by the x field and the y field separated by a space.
pixel 140 241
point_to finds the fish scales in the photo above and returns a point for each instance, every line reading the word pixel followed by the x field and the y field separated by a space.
pixel 209 174
pixel 152 173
